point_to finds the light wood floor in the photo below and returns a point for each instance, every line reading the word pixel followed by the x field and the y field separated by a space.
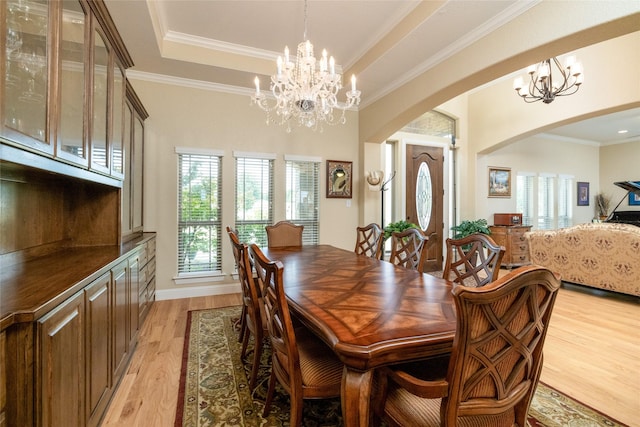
pixel 592 353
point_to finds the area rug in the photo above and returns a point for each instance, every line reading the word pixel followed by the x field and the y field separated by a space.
pixel 214 389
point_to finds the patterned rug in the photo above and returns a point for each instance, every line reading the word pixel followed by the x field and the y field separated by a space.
pixel 214 388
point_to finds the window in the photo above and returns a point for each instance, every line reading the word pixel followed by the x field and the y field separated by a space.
pixel 546 211
pixel 546 204
pixel 199 207
pixel 254 196
pixel 524 196
pixel 303 195
pixel 565 196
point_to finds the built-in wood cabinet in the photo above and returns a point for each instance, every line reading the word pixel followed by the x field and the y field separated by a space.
pixel 61 365
pixel 147 280
pixel 516 247
pixel 3 380
pixel 133 145
pixel 64 82
pixel 120 315
pixel 74 260
pixel 98 347
pixel 65 356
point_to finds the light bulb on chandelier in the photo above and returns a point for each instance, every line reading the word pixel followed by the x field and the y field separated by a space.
pixel 306 91
pixel 543 86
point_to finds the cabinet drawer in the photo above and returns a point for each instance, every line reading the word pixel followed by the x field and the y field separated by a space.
pixel 151 269
pixel 144 255
pixel 518 247
pixel 151 248
pixel 521 258
pixel 144 278
pixel 151 290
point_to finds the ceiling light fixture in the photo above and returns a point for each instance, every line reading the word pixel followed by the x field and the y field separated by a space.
pixel 542 84
pixel 305 90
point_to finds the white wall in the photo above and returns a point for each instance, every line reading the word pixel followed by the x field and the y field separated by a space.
pixel 620 162
pixel 538 155
pixel 200 118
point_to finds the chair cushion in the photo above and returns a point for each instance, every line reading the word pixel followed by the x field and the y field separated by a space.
pixel 318 364
pixel 426 412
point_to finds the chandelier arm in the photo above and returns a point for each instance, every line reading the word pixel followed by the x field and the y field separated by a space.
pixel 541 85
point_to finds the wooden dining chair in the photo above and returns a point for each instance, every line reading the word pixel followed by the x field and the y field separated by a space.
pixel 369 240
pixel 495 362
pixel 409 249
pixel 473 260
pixel 284 233
pixel 235 240
pixel 253 318
pixel 302 363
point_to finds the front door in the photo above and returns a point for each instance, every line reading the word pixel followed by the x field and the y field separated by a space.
pixel 425 196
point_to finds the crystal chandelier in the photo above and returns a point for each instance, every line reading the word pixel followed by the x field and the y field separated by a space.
pixel 306 91
pixel 542 84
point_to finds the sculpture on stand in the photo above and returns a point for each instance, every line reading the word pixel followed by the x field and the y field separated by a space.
pixel 376 182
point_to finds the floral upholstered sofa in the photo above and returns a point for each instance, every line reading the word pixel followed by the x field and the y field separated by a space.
pixel 600 255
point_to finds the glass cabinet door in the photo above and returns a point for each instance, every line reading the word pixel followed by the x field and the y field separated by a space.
pixel 117 152
pixel 71 140
pixel 126 183
pixel 137 165
pixel 99 148
pixel 25 64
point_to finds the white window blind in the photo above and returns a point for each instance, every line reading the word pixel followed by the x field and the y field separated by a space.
pixel 254 198
pixel 524 196
pixel 199 208
pixel 565 196
pixel 546 198
pixel 303 197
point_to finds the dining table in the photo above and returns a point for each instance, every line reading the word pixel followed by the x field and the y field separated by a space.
pixel 370 312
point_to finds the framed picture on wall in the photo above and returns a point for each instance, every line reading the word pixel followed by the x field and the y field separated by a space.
pixel 583 194
pixel 338 179
pixel 499 182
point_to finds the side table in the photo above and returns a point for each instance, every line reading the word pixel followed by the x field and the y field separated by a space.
pixel 516 246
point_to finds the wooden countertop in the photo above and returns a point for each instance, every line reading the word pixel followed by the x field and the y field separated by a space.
pixel 30 289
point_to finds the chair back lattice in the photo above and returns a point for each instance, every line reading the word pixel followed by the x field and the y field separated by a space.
pixel 284 233
pixel 369 241
pixel 408 249
pixel 473 260
pixel 250 291
pixel 235 240
pixel 285 356
pixel 497 352
pixel 251 318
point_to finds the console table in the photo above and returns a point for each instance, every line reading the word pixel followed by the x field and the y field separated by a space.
pixel 516 246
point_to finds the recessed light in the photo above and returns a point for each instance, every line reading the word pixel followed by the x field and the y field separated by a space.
pixel 623 131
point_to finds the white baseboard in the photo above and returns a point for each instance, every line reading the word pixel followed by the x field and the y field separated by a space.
pixel 197 291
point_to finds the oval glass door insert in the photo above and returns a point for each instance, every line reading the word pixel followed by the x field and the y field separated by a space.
pixel 424 196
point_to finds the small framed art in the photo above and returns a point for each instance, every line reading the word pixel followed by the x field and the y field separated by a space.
pixel 499 182
pixel 339 179
pixel 583 194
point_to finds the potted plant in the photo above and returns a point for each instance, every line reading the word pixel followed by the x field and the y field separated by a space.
pixel 397 227
pixel 468 227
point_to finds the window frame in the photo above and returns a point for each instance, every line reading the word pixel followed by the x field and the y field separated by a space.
pixel 253 230
pixel 311 223
pixel 215 159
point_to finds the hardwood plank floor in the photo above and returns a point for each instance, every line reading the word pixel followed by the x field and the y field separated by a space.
pixel 592 353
